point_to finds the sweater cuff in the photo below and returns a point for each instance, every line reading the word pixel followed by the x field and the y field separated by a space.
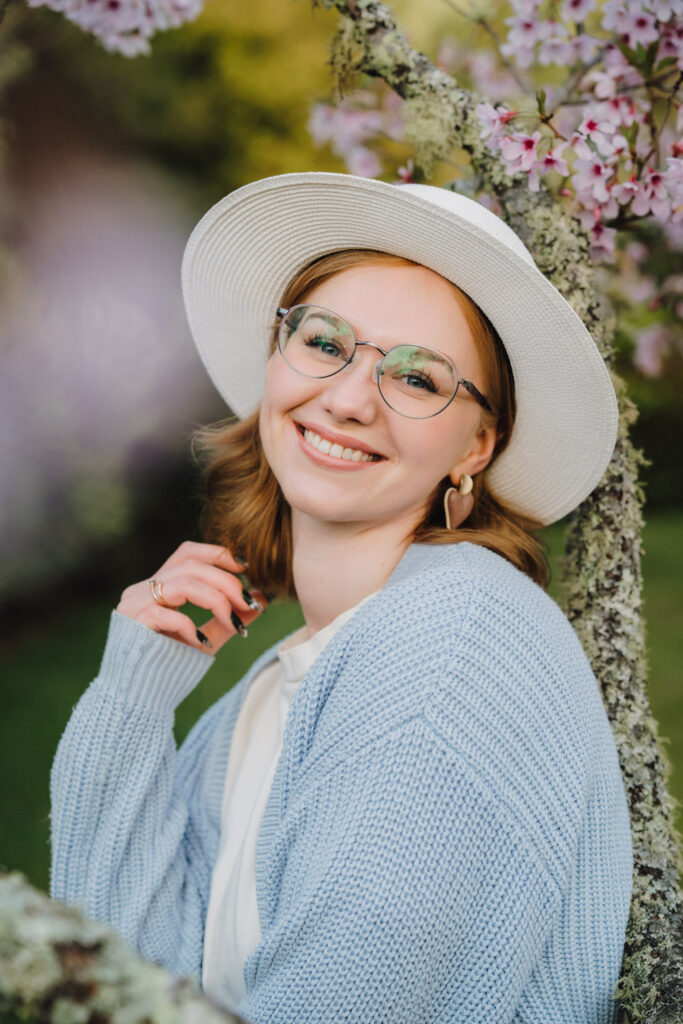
pixel 144 667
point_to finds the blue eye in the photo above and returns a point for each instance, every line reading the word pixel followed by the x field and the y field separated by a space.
pixel 420 381
pixel 324 345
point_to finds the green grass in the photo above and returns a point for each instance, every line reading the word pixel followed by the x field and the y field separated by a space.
pixel 48 666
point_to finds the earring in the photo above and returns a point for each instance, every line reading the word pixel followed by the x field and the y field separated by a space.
pixel 456 509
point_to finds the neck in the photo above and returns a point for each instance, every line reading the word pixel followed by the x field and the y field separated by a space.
pixel 336 565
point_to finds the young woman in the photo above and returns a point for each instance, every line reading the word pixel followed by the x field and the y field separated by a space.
pixel 411 809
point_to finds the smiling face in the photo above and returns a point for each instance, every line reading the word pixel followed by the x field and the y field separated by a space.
pixel 392 464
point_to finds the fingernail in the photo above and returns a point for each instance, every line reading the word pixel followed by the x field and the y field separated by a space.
pixel 203 638
pixel 238 624
pixel 252 601
pixel 241 559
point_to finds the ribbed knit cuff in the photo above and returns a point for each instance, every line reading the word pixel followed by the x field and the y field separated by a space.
pixel 145 667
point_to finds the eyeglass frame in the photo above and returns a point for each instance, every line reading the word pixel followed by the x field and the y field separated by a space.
pixel 469 387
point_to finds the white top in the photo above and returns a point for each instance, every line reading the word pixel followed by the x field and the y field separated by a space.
pixel 233 929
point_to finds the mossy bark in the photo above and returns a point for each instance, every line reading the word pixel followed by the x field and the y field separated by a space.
pixel 602 575
pixel 57 966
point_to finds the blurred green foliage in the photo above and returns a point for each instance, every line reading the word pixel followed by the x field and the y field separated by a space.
pixel 221 101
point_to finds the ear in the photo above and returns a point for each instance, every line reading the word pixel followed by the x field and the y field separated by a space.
pixel 478 456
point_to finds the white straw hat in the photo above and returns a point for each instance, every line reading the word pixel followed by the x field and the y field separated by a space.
pixel 249 246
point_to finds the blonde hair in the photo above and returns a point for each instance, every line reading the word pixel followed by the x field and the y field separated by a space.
pixel 246 511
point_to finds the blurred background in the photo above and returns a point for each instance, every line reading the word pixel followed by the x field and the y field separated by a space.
pixel 105 165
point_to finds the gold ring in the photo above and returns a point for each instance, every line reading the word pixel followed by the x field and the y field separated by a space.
pixel 157 588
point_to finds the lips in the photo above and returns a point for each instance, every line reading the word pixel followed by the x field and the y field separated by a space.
pixel 335 438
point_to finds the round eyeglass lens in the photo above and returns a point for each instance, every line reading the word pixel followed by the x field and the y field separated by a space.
pixel 314 341
pixel 416 382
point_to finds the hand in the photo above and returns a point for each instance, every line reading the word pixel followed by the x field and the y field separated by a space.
pixel 202 574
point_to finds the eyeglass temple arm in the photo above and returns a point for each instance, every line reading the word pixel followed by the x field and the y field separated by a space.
pixel 476 393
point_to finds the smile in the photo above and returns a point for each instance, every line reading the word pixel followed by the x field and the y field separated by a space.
pixel 333 450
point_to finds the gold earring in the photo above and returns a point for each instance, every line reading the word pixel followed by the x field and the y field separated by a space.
pixel 465 486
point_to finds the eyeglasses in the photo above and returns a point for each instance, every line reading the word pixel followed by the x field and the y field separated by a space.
pixel 413 381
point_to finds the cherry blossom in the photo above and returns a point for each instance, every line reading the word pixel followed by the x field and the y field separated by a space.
pixel 124 26
pixel 519 151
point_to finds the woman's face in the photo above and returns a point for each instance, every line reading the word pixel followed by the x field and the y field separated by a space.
pixel 386 305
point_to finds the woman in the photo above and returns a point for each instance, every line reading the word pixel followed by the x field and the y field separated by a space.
pixel 411 809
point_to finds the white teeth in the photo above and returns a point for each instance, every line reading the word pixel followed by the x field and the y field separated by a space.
pixel 337 451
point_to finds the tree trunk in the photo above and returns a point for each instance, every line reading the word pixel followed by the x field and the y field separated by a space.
pixel 602 575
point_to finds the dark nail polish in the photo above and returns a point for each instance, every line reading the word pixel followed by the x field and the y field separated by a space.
pixel 203 638
pixel 241 559
pixel 238 624
pixel 251 600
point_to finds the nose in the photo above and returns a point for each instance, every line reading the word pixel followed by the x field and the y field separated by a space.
pixel 352 394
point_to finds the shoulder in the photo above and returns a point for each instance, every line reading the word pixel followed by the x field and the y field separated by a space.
pixel 441 593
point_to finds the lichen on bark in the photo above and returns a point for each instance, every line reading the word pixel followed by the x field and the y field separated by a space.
pixel 602 575
pixel 59 966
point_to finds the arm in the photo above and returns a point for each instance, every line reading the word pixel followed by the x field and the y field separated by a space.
pixel 126 841
pixel 405 892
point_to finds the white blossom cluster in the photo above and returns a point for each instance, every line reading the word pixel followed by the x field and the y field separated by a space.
pixel 124 26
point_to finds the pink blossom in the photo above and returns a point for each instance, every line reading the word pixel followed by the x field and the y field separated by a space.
pixel 494 120
pixel 639 27
pixel 590 179
pixel 363 162
pixel 555 48
pixel 625 191
pixel 614 16
pixel 576 10
pixel 596 131
pixel 602 238
pixel 584 47
pixel 671 43
pixel 344 128
pixel 665 9
pixel 406 172
pixel 525 8
pixel 519 151
pixel 653 197
pixel 521 40
pixel 652 345
pixel 673 180
pixel 487 75
pixel 124 26
pixel 552 161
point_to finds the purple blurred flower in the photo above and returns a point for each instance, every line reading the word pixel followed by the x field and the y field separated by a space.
pixel 652 344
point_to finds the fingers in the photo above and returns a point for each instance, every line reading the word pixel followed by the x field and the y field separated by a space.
pixel 212 554
pixel 202 574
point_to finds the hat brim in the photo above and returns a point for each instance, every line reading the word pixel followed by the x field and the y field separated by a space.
pixel 248 247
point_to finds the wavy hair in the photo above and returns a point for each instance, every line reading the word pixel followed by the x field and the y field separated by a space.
pixel 245 509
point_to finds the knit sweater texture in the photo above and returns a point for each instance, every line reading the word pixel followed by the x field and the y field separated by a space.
pixel 446 838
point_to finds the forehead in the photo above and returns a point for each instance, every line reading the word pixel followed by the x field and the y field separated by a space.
pixel 391 305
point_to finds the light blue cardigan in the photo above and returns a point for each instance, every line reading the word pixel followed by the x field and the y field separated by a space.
pixel 447 836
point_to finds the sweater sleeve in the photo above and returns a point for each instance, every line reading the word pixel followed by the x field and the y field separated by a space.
pixel 126 842
pixel 402 891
